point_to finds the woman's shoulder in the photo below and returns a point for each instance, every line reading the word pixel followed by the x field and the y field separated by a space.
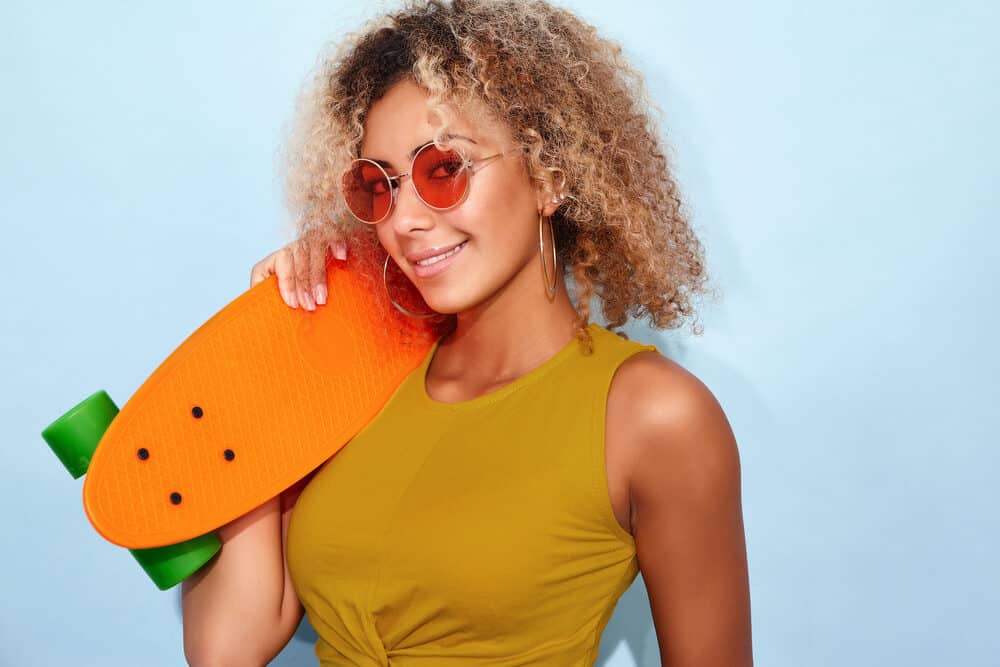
pixel 649 376
pixel 660 411
pixel 646 383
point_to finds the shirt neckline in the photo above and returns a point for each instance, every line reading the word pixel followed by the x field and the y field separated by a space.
pixel 528 378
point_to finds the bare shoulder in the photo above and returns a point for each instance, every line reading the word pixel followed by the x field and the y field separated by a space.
pixel 670 423
pixel 649 373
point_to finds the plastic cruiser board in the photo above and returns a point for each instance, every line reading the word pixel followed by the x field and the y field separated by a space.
pixel 256 398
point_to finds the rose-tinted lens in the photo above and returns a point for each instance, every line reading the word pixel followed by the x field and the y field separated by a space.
pixel 440 176
pixel 367 191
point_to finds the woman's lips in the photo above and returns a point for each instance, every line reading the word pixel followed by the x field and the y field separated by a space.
pixel 440 265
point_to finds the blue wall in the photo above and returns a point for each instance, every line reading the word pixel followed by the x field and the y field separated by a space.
pixel 839 160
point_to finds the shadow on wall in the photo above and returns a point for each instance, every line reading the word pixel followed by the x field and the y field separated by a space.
pixel 300 650
pixel 630 639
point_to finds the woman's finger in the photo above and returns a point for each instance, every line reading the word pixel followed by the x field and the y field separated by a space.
pixel 262 270
pixel 279 264
pixel 284 269
pixel 340 249
pixel 317 271
pixel 300 271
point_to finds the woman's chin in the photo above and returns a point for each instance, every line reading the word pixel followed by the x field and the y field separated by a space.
pixel 441 301
pixel 444 307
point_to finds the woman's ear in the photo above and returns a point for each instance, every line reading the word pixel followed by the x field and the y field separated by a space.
pixel 550 197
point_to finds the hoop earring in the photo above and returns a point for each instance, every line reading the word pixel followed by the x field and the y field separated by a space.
pixel 551 289
pixel 385 282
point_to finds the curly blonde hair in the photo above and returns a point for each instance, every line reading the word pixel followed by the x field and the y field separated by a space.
pixel 574 106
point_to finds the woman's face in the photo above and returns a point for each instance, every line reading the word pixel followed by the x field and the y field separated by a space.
pixel 497 221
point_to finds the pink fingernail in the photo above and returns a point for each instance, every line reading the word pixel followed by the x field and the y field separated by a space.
pixel 307 301
pixel 320 292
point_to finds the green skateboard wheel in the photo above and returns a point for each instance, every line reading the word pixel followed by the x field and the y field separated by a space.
pixel 74 436
pixel 168 566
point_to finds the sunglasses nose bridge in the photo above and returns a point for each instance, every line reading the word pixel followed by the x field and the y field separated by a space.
pixel 408 212
pixel 395 184
pixel 413 186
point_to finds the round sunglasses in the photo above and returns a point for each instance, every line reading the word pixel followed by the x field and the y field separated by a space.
pixel 440 178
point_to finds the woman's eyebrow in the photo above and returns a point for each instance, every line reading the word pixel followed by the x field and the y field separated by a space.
pixel 413 152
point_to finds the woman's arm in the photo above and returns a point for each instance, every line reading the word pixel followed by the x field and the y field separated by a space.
pixel 241 608
pixel 687 515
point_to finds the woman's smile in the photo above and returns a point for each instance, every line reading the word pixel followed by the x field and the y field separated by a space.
pixel 431 266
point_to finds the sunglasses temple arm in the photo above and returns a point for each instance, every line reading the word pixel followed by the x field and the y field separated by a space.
pixel 476 165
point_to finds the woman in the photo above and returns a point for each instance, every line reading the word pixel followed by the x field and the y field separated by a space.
pixel 522 476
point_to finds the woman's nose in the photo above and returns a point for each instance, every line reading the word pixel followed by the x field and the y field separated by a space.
pixel 410 213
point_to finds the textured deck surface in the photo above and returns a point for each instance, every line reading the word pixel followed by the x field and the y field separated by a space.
pixel 252 401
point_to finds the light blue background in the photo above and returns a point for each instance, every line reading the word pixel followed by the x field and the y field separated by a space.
pixel 839 160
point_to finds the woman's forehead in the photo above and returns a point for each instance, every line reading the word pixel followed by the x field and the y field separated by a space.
pixel 401 120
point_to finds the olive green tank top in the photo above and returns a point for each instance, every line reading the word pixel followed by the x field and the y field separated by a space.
pixel 472 533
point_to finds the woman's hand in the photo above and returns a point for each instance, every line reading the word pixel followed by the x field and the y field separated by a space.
pixel 301 269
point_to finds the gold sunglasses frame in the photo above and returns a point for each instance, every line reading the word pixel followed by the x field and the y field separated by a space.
pixel 395 181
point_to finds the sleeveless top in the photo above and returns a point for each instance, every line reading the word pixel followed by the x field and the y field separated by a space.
pixel 472 533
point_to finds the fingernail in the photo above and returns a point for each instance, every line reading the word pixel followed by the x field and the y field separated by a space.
pixel 320 292
pixel 293 300
pixel 307 300
pixel 340 250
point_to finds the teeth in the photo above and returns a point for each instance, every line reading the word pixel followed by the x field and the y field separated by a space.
pixel 437 258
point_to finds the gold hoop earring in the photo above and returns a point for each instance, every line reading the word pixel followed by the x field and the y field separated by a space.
pixel 385 282
pixel 551 289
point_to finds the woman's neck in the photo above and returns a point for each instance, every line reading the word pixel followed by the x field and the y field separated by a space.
pixel 507 336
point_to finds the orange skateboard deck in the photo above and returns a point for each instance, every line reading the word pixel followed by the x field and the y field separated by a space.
pixel 255 399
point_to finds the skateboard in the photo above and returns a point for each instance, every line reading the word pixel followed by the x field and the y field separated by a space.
pixel 254 400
